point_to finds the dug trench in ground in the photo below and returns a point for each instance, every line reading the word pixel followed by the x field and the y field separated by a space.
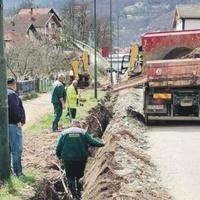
pixel 39 153
pixel 120 170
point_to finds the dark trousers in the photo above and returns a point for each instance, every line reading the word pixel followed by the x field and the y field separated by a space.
pixel 74 171
pixel 71 112
pixel 57 115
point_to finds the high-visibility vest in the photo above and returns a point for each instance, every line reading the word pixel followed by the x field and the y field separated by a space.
pixel 72 97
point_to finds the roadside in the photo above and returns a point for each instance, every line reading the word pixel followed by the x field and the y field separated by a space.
pixel 175 151
pixel 123 169
pixel 37 108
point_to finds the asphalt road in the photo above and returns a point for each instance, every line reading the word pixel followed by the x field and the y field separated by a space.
pixel 176 152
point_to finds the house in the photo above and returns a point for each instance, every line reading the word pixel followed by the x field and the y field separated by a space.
pixel 45 20
pixel 21 32
pixel 32 24
pixel 186 17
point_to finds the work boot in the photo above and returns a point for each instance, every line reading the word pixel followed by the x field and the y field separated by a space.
pixel 55 127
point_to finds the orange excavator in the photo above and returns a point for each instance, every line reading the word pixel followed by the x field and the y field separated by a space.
pixel 80 70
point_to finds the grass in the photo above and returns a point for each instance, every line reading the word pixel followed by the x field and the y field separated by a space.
pixel 30 96
pixel 16 188
pixel 82 112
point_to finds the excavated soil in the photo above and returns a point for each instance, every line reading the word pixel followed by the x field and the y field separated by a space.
pixel 183 53
pixel 194 54
pixel 178 53
pixel 121 169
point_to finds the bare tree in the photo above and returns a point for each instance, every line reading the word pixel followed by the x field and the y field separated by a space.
pixel 78 23
pixel 35 58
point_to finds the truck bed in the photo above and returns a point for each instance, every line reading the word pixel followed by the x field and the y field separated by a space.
pixel 173 73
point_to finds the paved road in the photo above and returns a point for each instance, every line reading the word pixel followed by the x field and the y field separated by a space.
pixel 176 152
pixel 37 108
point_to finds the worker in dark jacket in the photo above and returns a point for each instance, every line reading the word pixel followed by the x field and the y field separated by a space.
pixel 16 121
pixel 72 148
pixel 58 100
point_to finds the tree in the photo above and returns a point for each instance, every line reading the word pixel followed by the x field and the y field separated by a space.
pixel 78 23
pixel 41 58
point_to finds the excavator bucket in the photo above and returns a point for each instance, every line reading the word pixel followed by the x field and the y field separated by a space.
pixel 135 63
pixel 86 63
pixel 81 70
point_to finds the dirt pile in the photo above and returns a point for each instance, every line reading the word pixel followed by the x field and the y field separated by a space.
pixel 193 54
pixel 39 153
pixel 122 169
pixel 183 52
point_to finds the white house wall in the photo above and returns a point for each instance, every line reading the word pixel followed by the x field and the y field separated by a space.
pixel 192 24
pixel 179 25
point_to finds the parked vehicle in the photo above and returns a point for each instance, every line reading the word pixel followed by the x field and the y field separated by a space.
pixel 172 90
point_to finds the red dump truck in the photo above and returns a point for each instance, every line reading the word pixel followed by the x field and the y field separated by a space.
pixel 172 90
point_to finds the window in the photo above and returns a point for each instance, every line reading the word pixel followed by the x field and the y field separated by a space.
pixel 53 25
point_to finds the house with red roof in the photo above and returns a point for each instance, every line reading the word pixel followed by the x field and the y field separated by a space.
pixel 32 24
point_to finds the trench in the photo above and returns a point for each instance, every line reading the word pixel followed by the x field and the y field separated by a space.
pixel 96 123
pixel 122 169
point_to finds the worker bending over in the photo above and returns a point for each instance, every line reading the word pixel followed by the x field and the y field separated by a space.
pixel 72 148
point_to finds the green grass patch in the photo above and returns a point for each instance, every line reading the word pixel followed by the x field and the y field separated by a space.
pixel 14 188
pixel 29 96
pixel 82 112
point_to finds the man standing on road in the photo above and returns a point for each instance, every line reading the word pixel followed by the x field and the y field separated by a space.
pixel 72 148
pixel 16 121
pixel 72 99
pixel 58 101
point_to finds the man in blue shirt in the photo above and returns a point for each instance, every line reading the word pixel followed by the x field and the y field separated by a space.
pixel 16 115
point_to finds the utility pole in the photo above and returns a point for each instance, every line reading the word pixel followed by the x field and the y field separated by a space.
pixel 118 46
pixel 4 143
pixel 111 67
pixel 95 49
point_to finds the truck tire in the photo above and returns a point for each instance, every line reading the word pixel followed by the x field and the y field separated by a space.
pixel 146 91
pixel 147 122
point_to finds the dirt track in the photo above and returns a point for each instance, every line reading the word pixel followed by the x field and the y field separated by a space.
pixel 37 108
pixel 175 151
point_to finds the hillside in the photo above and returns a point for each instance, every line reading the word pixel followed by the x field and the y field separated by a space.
pixel 136 16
